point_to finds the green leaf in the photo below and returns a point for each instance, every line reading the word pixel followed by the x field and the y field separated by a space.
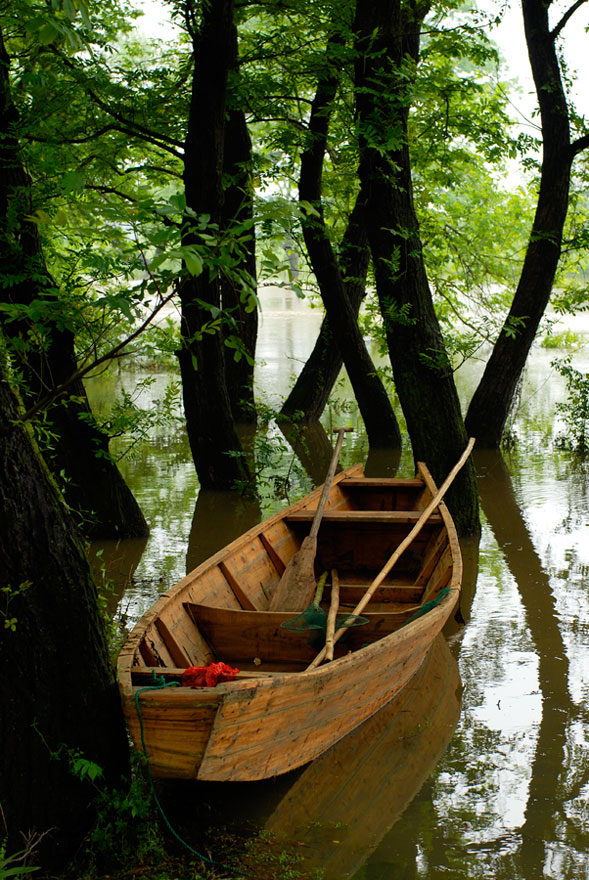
pixel 73 182
pixel 193 261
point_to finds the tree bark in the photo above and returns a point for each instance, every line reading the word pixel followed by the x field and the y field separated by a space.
pixel 379 419
pixel 214 443
pixel 387 43
pixel 310 393
pixel 58 693
pixel 93 484
pixel 238 209
pixel 493 398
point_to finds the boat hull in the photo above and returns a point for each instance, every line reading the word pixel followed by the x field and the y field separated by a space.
pixel 277 715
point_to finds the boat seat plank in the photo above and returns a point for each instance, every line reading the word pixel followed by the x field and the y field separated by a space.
pixel 360 517
pixel 381 482
pixel 238 636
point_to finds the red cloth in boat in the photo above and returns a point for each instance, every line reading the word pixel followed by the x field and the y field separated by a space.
pixel 208 676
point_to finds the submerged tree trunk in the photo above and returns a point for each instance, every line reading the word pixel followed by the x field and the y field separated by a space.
pixel 216 449
pixel 58 694
pixel 387 46
pixel 79 457
pixel 379 419
pixel 493 398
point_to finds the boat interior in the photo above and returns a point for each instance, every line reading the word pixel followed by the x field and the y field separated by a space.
pixel 220 612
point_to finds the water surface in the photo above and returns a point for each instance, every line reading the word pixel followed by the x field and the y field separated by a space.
pixel 482 768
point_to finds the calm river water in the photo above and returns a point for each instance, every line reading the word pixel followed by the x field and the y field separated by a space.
pixel 481 768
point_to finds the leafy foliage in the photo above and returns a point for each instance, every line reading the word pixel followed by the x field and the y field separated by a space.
pixel 575 410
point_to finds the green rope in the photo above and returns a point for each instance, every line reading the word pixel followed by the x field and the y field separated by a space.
pixel 159 683
pixel 423 609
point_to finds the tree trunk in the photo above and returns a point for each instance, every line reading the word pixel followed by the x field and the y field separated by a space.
pixel 58 693
pixel 310 393
pixel 93 484
pixel 240 306
pixel 214 443
pixel 379 419
pixel 493 398
pixel 387 38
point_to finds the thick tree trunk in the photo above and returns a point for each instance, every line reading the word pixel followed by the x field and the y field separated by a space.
pixel 238 209
pixel 214 443
pixel 310 393
pixel 492 400
pixel 379 419
pixel 386 38
pixel 57 692
pixel 93 484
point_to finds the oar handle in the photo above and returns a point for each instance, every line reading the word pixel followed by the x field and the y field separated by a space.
pixel 328 480
pixel 402 546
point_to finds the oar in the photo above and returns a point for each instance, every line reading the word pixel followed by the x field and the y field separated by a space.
pixel 297 585
pixel 427 511
pixel 332 616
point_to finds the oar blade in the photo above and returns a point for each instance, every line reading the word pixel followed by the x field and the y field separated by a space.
pixel 296 587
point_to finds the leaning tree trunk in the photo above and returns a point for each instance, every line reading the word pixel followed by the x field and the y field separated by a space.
pixel 58 693
pixel 493 398
pixel 387 36
pixel 93 485
pixel 310 393
pixel 379 419
pixel 214 443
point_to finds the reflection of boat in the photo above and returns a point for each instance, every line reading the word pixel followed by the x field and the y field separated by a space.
pixel 277 714
pixel 345 802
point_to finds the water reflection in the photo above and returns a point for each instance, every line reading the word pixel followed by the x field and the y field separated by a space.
pixel 344 803
pixel 113 565
pixel 509 796
pixel 219 518
pixel 538 831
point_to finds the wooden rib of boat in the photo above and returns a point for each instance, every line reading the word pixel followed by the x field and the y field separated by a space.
pixel 277 714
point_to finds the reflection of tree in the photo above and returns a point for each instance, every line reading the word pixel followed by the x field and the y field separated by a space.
pixel 311 445
pixel 219 518
pixel 507 523
pixel 443 840
pixel 113 564
pixel 314 449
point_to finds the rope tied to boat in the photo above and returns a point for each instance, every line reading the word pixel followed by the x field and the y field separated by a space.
pixel 159 683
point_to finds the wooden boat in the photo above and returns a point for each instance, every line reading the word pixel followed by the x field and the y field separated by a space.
pixel 277 714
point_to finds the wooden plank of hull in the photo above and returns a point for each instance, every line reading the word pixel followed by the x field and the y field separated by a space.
pixel 176 727
pixel 271 727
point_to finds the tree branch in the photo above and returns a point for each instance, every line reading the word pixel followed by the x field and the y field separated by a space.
pixel 135 129
pixel 579 145
pixel 83 371
pixel 568 14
